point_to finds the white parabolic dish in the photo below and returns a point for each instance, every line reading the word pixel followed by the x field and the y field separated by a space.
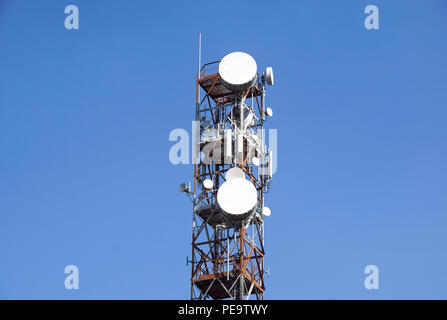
pixel 208 184
pixel 237 197
pixel 233 173
pixel 266 211
pixel 238 71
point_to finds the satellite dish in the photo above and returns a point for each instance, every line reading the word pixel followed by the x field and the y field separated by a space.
pixel 269 112
pixel 237 198
pixel 235 173
pixel 268 76
pixel 255 161
pixel 208 184
pixel 266 211
pixel 238 71
pixel 182 187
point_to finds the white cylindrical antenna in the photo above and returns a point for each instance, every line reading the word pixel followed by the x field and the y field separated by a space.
pixel 270 164
pixel 228 148
pixel 268 76
pixel 239 147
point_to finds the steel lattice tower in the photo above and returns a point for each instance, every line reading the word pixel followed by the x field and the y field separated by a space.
pixel 228 254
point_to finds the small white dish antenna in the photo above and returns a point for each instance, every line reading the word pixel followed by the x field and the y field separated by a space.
pixel 268 76
pixel 269 112
pixel 255 161
pixel 266 211
pixel 238 71
pixel 208 183
pixel 234 173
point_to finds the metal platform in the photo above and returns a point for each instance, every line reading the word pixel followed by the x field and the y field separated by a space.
pixel 221 286
pixel 213 86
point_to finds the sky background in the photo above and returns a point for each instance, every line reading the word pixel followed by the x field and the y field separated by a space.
pixel 85 117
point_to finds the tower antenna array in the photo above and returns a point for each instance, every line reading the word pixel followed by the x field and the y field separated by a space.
pixel 232 172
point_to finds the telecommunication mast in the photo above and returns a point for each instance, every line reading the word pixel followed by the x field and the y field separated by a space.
pixel 232 171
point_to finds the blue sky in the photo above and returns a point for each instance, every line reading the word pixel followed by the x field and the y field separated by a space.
pixel 85 117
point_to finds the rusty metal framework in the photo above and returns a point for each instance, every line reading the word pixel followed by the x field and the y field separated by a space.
pixel 227 259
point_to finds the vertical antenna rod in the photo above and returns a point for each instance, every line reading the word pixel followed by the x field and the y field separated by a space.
pixel 200 52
